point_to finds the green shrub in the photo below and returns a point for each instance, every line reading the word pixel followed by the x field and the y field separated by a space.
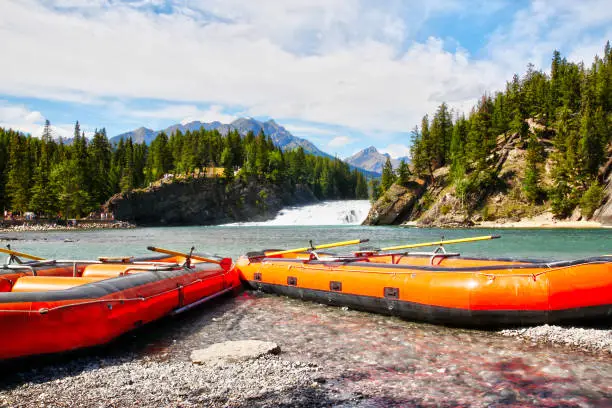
pixel 591 200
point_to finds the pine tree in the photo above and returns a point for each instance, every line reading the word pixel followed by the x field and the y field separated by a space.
pixel 531 183
pixel 17 186
pixel 457 149
pixel 100 154
pixel 403 173
pixel 42 200
pixel 388 176
pixel 376 189
pixel 361 187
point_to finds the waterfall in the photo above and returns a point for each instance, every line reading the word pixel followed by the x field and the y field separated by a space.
pixel 349 212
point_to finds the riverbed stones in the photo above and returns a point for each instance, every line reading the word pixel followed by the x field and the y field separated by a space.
pixel 234 351
pixel 587 339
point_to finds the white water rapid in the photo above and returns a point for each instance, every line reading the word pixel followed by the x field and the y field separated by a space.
pixel 349 212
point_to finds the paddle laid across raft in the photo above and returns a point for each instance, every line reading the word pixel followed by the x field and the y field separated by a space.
pixel 440 287
pixel 49 306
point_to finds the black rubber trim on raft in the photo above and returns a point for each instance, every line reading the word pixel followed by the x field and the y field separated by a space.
pixel 443 315
pixel 104 287
pixel 408 267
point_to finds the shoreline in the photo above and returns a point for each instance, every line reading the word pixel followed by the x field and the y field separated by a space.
pixel 523 224
pixel 542 224
pixel 55 227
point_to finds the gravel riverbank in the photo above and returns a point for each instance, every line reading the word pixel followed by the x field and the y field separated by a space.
pixel 133 382
pixel 56 227
pixel 330 357
pixel 594 340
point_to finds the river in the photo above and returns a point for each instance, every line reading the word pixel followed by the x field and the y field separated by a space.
pixel 386 361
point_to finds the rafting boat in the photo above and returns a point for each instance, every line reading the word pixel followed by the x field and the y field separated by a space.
pixel 49 306
pixel 440 287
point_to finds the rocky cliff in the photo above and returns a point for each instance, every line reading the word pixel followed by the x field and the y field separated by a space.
pixel 604 213
pixel 205 201
pixel 500 200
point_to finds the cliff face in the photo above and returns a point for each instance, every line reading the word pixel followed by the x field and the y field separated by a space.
pixel 205 201
pixel 604 213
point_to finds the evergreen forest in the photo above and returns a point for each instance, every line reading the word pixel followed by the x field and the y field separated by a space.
pixel 573 108
pixel 52 178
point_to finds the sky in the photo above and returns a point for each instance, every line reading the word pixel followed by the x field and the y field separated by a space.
pixel 345 74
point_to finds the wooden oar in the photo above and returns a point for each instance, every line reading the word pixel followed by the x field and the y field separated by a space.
pixel 322 246
pixel 449 241
pixel 175 253
pixel 21 254
pixel 225 263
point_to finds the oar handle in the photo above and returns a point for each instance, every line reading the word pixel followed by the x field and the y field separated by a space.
pixel 21 254
pixel 322 246
pixel 449 241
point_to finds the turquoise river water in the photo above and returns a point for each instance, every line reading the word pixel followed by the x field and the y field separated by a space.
pixel 232 241
pixel 385 361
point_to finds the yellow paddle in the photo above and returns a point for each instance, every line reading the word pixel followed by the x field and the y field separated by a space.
pixel 21 254
pixel 322 246
pixel 449 241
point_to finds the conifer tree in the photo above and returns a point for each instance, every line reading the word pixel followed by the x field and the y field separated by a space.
pixel 403 173
pixel 388 176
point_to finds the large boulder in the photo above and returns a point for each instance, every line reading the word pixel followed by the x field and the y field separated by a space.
pixel 233 351
pixel 395 205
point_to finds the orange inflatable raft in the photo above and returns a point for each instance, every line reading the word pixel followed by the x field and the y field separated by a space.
pixel 440 287
pixel 55 306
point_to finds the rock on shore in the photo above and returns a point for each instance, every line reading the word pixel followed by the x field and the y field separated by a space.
pixel 231 351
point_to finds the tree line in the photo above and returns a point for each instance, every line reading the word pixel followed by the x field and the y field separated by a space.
pixel 573 109
pixel 73 178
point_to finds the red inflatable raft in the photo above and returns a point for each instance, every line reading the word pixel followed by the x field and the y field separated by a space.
pixel 54 306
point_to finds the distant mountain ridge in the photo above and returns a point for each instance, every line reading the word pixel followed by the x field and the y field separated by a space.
pixel 372 160
pixel 280 136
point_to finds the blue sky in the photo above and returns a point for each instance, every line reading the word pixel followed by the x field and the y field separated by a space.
pixel 345 74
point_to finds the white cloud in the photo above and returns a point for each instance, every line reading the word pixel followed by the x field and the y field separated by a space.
pixel 396 150
pixel 188 113
pixel 309 130
pixel 343 62
pixel 340 141
pixel 19 117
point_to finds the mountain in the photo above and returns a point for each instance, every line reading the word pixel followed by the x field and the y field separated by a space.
pixel 140 135
pixel 372 160
pixel 280 136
